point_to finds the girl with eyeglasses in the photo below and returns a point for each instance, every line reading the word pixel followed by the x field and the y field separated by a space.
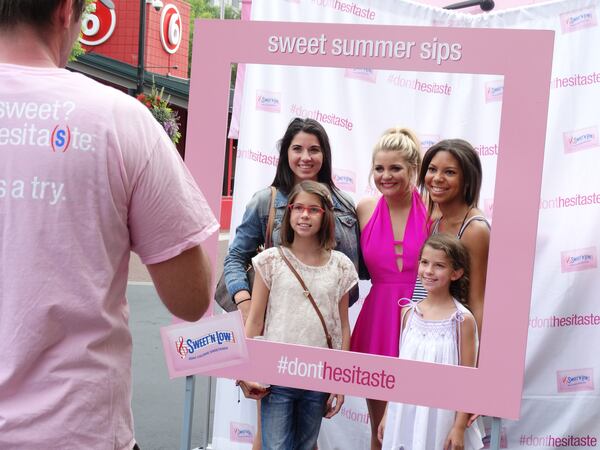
pixel 281 311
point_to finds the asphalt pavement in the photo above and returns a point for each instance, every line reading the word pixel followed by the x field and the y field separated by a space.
pixel 158 401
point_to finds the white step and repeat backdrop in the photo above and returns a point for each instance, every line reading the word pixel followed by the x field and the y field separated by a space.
pixel 560 399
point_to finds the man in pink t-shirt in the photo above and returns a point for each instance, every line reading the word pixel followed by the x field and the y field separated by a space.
pixel 86 176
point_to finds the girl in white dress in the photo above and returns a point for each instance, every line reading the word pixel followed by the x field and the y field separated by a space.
pixel 280 311
pixel 439 329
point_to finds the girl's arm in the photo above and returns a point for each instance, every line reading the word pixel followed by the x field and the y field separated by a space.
pixel 333 409
pixel 248 236
pixel 365 209
pixel 477 241
pixel 468 353
pixel 468 356
pixel 256 319
pixel 254 327
pixel 381 427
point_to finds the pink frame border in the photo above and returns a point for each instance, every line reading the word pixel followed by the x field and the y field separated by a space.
pixel 524 58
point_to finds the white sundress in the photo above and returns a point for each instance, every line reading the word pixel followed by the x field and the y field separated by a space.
pixel 412 427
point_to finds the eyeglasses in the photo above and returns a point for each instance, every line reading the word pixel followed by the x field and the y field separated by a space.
pixel 299 208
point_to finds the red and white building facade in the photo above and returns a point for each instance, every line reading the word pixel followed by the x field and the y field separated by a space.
pixel 115 34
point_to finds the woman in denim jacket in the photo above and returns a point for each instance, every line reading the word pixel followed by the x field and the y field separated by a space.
pixel 304 154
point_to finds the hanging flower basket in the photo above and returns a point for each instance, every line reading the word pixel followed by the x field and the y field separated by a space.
pixel 159 107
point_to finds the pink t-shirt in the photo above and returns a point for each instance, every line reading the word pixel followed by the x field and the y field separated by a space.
pixel 86 175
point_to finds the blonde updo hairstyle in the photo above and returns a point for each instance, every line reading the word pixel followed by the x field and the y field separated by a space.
pixel 405 142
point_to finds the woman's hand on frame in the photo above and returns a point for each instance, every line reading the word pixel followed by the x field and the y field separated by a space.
pixel 334 404
pixel 253 390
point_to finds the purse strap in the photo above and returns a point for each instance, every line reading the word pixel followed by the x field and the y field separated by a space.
pixel 308 295
pixel 268 240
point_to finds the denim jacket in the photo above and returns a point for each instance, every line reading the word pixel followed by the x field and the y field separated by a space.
pixel 251 233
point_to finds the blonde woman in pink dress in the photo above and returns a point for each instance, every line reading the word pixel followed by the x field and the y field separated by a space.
pixel 393 229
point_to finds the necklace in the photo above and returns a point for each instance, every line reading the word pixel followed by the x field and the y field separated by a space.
pixel 463 221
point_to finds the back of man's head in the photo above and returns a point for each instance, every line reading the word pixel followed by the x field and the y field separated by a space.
pixel 37 13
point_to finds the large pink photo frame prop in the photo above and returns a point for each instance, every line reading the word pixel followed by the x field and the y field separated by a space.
pixel 524 58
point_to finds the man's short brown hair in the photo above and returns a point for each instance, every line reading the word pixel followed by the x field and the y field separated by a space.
pixel 32 12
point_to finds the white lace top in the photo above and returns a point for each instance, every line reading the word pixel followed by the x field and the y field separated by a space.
pixel 290 317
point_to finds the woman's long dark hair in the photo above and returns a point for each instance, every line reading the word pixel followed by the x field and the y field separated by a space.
pixel 284 177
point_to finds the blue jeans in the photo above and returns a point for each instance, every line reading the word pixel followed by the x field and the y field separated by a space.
pixel 291 418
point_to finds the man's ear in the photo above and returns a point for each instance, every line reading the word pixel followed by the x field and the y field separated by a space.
pixel 64 15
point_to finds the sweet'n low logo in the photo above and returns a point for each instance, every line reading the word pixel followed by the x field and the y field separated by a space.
pixel 575 380
pixel 428 140
pixel 241 432
pixel 209 343
pixel 365 74
pixel 579 259
pixel 181 348
pixel 494 90
pixel 345 179
pixel 581 139
pixel 268 101
pixel 578 20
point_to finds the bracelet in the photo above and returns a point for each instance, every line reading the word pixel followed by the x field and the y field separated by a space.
pixel 242 301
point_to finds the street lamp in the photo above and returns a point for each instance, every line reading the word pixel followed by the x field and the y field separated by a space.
pixel 157 5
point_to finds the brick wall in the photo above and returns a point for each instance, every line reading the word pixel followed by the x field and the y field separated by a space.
pixel 123 43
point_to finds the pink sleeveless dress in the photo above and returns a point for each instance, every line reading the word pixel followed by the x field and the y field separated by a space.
pixel 377 328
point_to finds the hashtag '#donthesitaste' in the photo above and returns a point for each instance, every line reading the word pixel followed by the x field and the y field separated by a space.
pixel 282 366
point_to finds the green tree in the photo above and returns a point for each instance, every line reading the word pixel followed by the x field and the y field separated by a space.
pixel 204 9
